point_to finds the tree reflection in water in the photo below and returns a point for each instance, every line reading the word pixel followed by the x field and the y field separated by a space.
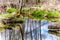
pixel 31 32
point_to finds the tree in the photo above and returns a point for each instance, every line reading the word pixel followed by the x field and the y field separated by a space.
pixel 22 30
pixel 21 4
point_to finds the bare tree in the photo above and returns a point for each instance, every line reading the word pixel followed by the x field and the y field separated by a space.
pixel 21 3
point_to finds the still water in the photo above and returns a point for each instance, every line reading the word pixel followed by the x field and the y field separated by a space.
pixel 31 31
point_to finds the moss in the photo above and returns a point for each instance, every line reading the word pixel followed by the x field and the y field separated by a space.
pixel 10 10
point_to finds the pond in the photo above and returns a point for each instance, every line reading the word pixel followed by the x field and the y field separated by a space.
pixel 31 31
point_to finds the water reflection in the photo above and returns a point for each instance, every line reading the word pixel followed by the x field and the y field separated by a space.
pixel 54 32
pixel 49 34
pixel 32 32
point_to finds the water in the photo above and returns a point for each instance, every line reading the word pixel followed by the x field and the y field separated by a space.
pixel 32 32
pixel 46 35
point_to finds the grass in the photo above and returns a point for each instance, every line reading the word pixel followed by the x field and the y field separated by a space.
pixel 6 15
pixel 43 13
pixel 10 10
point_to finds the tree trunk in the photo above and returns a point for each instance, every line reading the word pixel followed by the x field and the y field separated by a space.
pixel 21 3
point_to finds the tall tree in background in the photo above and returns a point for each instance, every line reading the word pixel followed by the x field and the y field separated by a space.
pixel 21 3
pixel 21 28
pixel 37 1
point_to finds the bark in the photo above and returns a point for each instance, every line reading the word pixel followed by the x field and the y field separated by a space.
pixel 21 3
